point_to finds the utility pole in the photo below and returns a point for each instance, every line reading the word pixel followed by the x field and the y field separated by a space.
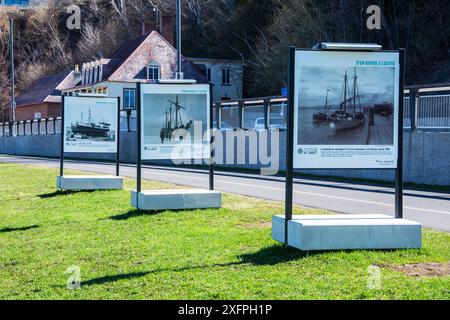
pixel 179 72
pixel 11 50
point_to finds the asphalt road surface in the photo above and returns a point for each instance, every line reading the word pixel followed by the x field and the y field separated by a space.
pixel 432 209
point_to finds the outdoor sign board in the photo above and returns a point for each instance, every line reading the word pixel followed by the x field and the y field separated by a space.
pixel 346 109
pixel 175 121
pixel 90 124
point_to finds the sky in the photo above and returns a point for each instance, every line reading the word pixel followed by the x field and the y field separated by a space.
pixel 375 84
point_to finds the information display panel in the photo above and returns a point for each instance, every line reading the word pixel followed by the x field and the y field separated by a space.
pixel 346 109
pixel 175 121
pixel 90 124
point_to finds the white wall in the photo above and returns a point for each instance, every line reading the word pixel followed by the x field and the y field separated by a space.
pixel 234 90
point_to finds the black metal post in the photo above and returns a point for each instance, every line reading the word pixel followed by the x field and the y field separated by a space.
pixel 178 35
pixel 61 163
pixel 266 114
pixel 412 108
pixel 399 170
pixel 11 50
pixel 290 142
pixel 241 108
pixel 212 141
pixel 139 140
pixel 118 139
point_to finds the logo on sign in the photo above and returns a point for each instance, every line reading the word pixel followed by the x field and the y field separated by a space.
pixel 307 151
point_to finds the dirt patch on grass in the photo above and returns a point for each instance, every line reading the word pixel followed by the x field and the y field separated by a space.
pixel 257 225
pixel 423 269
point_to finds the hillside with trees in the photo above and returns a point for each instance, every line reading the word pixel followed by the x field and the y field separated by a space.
pixel 255 31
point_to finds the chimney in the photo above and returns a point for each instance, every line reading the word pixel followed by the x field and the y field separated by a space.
pixel 167 29
pixel 148 27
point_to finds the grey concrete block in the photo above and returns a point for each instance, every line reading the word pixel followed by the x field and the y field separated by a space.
pixel 278 224
pixel 89 183
pixel 176 199
pixel 351 233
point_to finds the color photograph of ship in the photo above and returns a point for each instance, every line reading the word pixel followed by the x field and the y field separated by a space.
pixel 89 129
pixel 357 106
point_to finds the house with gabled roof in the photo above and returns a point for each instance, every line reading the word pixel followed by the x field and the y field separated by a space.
pixel 149 58
pixel 43 98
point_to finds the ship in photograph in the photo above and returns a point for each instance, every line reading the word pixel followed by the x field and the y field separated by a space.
pixel 322 117
pixel 347 117
pixel 174 121
pixel 89 129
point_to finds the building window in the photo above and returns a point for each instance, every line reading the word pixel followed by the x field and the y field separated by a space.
pixel 153 71
pixel 129 99
pixel 208 74
pixel 226 76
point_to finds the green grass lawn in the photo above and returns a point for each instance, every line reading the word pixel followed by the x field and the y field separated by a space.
pixel 201 254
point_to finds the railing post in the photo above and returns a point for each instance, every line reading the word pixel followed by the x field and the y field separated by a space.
pixel 241 114
pixel 413 95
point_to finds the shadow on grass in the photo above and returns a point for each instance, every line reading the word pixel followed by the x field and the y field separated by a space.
pixel 63 193
pixel 273 255
pixel 108 279
pixel 138 213
pixel 269 256
pixel 128 215
pixel 6 230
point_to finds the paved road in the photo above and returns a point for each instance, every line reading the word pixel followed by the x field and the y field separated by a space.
pixel 430 208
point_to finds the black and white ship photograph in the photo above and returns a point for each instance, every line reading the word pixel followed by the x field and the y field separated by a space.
pixel 346 106
pixel 86 123
pixel 170 118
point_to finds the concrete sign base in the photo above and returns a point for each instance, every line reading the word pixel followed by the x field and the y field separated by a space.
pixel 83 183
pixel 176 199
pixel 348 232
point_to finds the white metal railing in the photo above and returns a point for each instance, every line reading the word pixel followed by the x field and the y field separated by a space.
pixel 52 126
pixel 433 112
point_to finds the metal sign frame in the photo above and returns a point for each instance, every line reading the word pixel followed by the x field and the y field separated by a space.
pixel 61 163
pixel 290 134
pixel 139 136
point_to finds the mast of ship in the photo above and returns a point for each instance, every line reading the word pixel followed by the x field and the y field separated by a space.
pixel 345 93
pixel 170 115
pixel 176 112
pixel 354 92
